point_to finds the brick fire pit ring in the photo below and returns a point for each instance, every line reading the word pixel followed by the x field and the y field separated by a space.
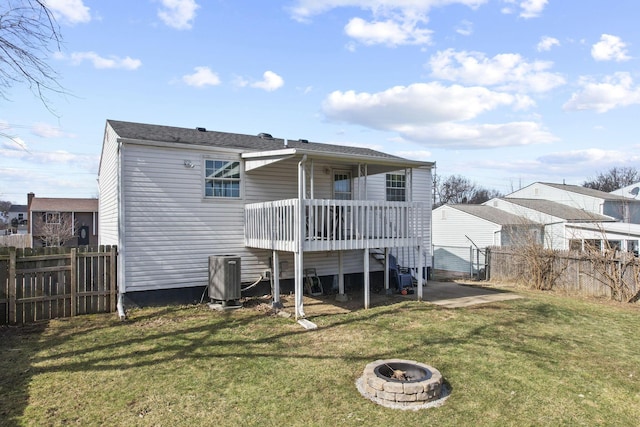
pixel 402 384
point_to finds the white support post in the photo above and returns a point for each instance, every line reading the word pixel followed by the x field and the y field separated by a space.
pixel 300 233
pixel 341 295
pixel 420 275
pixel 299 289
pixel 366 278
pixel 275 278
pixel 386 270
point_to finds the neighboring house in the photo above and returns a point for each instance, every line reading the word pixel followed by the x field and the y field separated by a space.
pixel 556 218
pixel 630 191
pixel 172 197
pixel 17 219
pixel 63 221
pixel 621 208
pixel 569 220
pixel 462 232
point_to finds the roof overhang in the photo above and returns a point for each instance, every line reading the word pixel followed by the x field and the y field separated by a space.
pixel 607 230
pixel 375 165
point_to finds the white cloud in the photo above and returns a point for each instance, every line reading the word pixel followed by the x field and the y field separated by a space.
pixel 595 156
pixel 546 43
pixel 610 48
pixel 270 82
pixel 418 103
pixel 532 8
pixel 178 14
pixel 617 90
pixel 70 11
pixel 45 130
pixel 391 22
pixel 420 155
pixel 430 113
pixel 475 136
pixel 82 161
pixel 505 71
pixel 14 143
pixel 465 28
pixel 203 76
pixel 305 9
pixel 100 62
pixel 389 32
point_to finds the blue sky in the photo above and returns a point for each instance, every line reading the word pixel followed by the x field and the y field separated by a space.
pixel 503 92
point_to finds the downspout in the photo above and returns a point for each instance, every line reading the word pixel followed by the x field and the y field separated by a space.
pixel 121 235
pixel 299 309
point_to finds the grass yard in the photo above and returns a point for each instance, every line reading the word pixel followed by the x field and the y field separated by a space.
pixel 544 360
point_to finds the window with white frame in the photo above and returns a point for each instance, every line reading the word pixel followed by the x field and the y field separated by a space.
pixel 222 178
pixel 342 185
pixel 52 218
pixel 396 187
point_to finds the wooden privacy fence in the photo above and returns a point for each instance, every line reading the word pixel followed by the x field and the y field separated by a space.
pixel 46 283
pixel 588 274
pixel 16 240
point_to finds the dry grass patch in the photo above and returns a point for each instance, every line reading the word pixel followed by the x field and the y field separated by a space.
pixel 542 360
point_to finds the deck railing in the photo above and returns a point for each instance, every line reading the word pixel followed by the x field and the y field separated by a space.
pixel 334 224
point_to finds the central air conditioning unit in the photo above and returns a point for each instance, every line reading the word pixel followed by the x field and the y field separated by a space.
pixel 224 278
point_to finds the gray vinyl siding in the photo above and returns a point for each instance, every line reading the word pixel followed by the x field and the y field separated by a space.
pixel 170 229
pixel 452 248
pixel 108 186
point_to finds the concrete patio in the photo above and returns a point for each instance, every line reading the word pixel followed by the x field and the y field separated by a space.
pixel 444 294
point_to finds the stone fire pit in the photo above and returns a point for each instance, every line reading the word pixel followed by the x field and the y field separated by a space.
pixel 402 384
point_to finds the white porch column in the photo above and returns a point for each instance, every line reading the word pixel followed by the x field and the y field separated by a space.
pixel 300 234
pixel 366 278
pixel 341 295
pixel 386 271
pixel 299 289
pixel 275 277
pixel 420 275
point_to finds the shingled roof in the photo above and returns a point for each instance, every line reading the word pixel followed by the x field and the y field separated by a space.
pixel 491 214
pixel 586 191
pixel 559 210
pixel 44 204
pixel 244 143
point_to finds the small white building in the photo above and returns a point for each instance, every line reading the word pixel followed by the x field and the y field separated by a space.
pixel 462 232
pixel 172 197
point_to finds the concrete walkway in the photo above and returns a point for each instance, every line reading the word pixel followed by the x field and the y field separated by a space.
pixel 455 295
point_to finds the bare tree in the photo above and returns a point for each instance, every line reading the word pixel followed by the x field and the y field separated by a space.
pixel 614 179
pixel 456 189
pixel 29 34
pixel 55 228
pixel 4 208
pixel 482 195
pixel 617 270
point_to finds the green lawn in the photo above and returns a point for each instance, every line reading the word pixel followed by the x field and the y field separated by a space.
pixel 545 359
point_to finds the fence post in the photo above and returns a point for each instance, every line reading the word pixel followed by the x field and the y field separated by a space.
pixel 73 279
pixel 12 286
